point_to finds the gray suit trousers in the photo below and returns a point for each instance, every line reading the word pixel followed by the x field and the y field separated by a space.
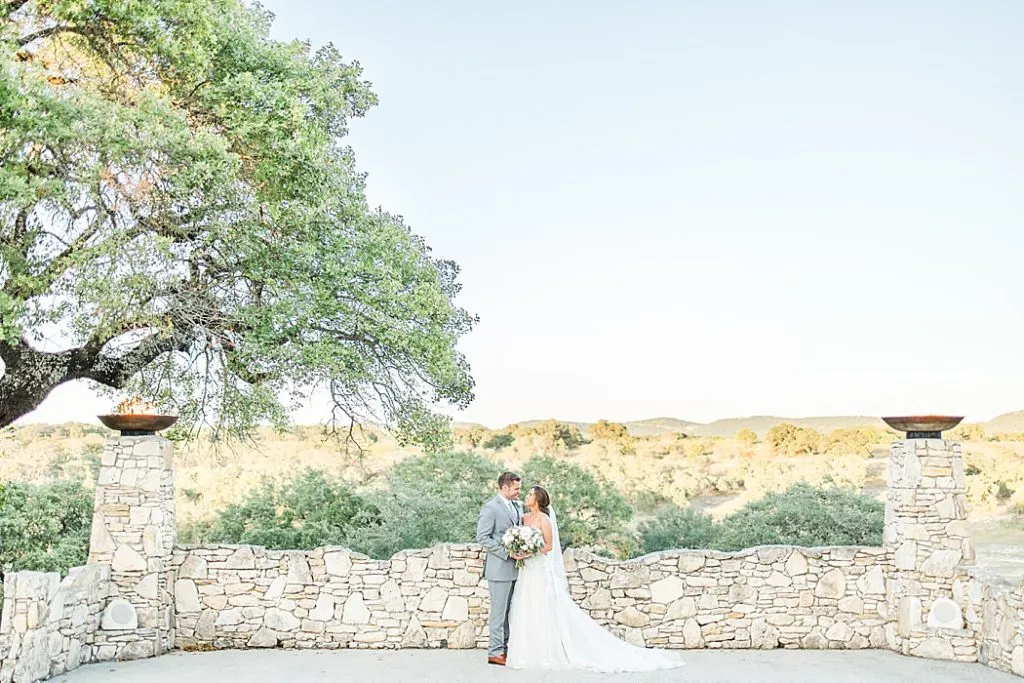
pixel 501 599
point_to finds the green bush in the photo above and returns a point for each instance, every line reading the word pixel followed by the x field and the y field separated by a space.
pixel 805 516
pixel 675 527
pixel 591 512
pixel 800 516
pixel 44 527
pixel 788 439
pixel 430 499
pixel 306 512
pixel 499 441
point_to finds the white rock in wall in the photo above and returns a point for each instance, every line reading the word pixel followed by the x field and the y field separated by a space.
pixel 243 558
pixel 186 596
pixel 280 620
pixel 194 567
pixel 434 600
pixel 264 637
pixel 355 611
pixel 33 658
pixel 230 617
pixel 126 559
pixel 796 565
pixel 100 540
pixel 667 590
pixel 456 609
pixel 415 636
pixel 276 589
pixel 299 573
pixel 831 585
pixel 872 582
pixel 934 648
pixel 463 637
pixel 391 596
pixel 941 563
pixel 147 587
pixel 324 609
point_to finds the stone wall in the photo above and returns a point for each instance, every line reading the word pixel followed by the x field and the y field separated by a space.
pixel 926 529
pixel 48 625
pixel 997 616
pixel 133 532
pixel 765 597
pixel 142 594
pixel 228 596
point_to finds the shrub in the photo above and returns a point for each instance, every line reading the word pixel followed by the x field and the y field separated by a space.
pixel 676 527
pixel 805 516
pixel 788 439
pixel 499 441
pixel 426 500
pixel 802 516
pixel 591 511
pixel 44 527
pixel 746 436
pixel 308 511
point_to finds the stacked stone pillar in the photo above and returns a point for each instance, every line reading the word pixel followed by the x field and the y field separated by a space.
pixel 133 531
pixel 926 532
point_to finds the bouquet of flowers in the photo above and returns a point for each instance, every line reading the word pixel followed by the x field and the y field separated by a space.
pixel 522 540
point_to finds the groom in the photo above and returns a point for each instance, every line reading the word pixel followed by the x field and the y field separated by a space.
pixel 496 516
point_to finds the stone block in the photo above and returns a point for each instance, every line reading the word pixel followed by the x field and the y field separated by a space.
pixel 831 585
pixel 667 590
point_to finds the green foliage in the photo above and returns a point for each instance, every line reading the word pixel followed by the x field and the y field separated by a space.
pixel 788 439
pixel 176 198
pixel 971 431
pixel 854 440
pixel 591 511
pixel 499 441
pixel 305 512
pixel 676 527
pixel 552 434
pixel 431 499
pixel 1008 436
pixel 608 431
pixel 801 516
pixel 805 516
pixel 746 436
pixel 44 527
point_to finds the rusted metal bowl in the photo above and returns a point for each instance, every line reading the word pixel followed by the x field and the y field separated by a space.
pixel 130 424
pixel 923 426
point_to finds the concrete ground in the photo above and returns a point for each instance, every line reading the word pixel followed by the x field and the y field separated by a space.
pixel 460 666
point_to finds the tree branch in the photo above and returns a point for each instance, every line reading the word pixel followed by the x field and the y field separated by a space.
pixel 44 33
pixel 115 372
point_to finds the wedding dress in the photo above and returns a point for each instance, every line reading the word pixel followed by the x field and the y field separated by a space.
pixel 548 630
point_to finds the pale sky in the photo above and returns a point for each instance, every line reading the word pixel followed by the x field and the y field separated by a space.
pixel 704 210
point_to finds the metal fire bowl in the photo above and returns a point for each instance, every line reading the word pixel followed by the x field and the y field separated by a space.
pixel 923 426
pixel 137 425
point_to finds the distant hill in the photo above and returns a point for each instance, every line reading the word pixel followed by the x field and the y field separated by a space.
pixel 762 423
pixel 661 425
pixel 726 428
pixel 1010 422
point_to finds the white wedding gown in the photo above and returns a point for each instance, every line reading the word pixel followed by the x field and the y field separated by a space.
pixel 548 630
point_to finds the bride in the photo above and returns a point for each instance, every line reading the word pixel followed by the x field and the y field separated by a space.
pixel 547 630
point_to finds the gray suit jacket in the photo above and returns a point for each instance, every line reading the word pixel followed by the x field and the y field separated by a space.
pixel 495 519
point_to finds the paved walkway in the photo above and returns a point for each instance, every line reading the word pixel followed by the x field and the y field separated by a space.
pixel 447 666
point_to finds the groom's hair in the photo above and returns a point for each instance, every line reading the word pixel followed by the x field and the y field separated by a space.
pixel 507 478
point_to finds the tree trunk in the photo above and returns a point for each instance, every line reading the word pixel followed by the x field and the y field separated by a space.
pixel 29 375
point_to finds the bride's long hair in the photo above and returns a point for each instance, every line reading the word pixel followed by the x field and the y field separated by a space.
pixel 543 499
